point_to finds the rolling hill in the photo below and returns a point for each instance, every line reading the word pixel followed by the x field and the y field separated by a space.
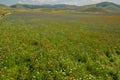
pixel 105 4
pixel 4 9
pixel 28 6
pixel 2 6
pixel 109 6
pixel 94 9
pixel 101 7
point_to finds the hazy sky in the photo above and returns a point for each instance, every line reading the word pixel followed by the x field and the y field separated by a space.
pixel 74 2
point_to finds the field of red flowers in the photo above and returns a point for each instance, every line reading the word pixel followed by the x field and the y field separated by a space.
pixel 59 47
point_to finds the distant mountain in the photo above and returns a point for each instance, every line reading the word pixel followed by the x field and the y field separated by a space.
pixel 28 6
pixel 101 7
pixel 109 6
pixel 105 4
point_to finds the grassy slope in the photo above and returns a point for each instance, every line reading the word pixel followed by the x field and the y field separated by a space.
pixel 105 7
pixel 60 47
pixel 4 9
pixel 3 6
pixel 113 8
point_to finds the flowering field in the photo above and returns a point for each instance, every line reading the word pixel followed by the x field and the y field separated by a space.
pixel 60 47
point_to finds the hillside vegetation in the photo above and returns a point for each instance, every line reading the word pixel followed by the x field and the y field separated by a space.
pixel 2 6
pixel 28 6
pixel 104 7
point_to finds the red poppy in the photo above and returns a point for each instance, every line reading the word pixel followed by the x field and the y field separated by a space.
pixel 72 78
pixel 37 67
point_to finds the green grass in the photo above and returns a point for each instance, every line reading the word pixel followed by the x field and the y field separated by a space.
pixel 59 47
pixel 2 11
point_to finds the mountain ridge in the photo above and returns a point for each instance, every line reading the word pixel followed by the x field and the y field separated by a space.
pixel 103 7
pixel 28 6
